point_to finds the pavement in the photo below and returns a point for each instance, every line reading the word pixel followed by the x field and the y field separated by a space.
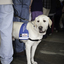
pixel 49 51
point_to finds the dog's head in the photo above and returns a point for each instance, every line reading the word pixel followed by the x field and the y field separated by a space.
pixel 42 22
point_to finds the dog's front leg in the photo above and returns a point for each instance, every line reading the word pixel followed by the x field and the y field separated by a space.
pixel 28 48
pixel 33 52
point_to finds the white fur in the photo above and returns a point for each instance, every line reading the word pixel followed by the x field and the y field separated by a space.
pixel 33 34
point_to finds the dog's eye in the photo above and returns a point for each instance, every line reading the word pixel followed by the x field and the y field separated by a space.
pixel 44 20
pixel 38 21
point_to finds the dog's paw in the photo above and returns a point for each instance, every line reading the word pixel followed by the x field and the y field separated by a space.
pixel 34 62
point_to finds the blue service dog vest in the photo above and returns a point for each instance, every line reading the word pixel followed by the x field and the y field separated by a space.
pixel 23 33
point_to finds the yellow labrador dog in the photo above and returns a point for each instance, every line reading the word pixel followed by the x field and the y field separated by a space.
pixel 36 29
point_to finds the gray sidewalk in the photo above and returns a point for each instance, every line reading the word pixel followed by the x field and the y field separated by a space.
pixel 49 51
pixel 56 37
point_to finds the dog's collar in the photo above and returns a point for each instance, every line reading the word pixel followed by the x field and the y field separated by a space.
pixel 34 39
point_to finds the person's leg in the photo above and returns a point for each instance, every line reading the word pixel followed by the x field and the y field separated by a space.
pixel 25 10
pixel 57 20
pixel 17 9
pixel 6 22
pixel 23 14
pixel 18 47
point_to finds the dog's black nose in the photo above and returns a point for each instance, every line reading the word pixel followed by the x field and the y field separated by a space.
pixel 40 27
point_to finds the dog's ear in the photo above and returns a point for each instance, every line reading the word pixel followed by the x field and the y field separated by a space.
pixel 50 22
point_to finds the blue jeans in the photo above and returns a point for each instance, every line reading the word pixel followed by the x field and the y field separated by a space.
pixel 21 9
pixel 6 22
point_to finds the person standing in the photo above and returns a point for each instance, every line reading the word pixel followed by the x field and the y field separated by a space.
pixel 6 22
pixel 21 8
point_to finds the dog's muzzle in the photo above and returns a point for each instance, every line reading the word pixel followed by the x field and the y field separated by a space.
pixel 41 29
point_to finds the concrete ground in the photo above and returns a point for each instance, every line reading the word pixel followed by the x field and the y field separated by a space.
pixel 49 51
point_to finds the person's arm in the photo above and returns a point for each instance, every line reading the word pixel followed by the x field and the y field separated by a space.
pixel 31 2
pixel 30 5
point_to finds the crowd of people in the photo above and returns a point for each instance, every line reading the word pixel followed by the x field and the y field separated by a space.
pixel 22 8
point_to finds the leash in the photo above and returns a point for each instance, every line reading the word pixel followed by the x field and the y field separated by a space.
pixel 16 15
pixel 21 18
pixel 24 19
